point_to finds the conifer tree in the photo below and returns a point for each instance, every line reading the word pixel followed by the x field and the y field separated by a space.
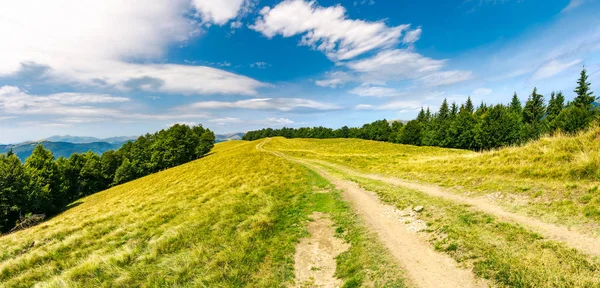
pixel 453 110
pixel 585 96
pixel 534 108
pixel 555 106
pixel 444 111
pixel 469 107
pixel 421 117
pixel 515 104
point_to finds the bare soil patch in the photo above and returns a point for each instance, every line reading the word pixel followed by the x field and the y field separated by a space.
pixel 315 261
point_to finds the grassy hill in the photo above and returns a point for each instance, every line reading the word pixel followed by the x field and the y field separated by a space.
pixel 59 149
pixel 230 219
pixel 235 217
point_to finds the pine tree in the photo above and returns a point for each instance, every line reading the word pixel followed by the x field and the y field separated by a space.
pixel 515 104
pixel 585 96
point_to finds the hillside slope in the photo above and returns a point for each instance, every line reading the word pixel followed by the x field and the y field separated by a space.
pixel 230 219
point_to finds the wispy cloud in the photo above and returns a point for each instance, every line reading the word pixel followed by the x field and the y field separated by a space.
pixel 375 91
pixel 279 104
pixel 553 67
pixel 78 108
pixel 572 5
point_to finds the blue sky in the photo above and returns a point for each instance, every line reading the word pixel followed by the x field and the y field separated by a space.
pixel 109 68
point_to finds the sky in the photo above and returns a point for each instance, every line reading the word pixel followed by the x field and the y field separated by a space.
pixel 130 67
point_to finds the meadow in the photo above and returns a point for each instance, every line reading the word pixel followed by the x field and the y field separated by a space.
pixel 230 219
pixel 555 179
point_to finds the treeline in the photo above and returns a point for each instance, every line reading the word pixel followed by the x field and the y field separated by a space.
pixel 45 185
pixel 470 127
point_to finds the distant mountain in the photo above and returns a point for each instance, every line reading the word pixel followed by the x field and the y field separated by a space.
pixel 230 136
pixel 23 150
pixel 80 139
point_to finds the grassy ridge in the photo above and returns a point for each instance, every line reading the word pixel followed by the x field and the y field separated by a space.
pixel 230 219
pixel 555 179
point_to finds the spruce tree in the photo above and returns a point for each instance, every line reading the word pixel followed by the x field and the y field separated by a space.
pixel 585 96
pixel 555 106
pixel 453 110
pixel 444 111
pixel 421 117
pixel 515 104
pixel 469 105
pixel 534 108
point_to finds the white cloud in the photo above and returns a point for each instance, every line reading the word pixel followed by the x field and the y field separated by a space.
pixel 279 121
pixel 446 77
pixel 412 36
pixel 219 11
pixel 188 123
pixel 397 63
pixel 401 64
pixel 226 120
pixel 280 104
pixel 375 91
pixel 77 108
pixel 334 79
pixel 328 29
pixel 402 105
pixel 259 65
pixel 111 39
pixel 553 67
pixel 572 5
pixel 482 92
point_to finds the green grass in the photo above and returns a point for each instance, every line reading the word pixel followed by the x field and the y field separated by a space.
pixel 505 253
pixel 231 219
pixel 555 179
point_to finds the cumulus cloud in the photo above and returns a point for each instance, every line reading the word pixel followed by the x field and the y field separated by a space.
pixel 219 11
pixel 280 104
pixel 112 39
pixel 375 91
pixel 553 67
pixel 328 29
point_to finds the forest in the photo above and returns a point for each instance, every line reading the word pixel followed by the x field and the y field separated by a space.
pixel 469 127
pixel 45 185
